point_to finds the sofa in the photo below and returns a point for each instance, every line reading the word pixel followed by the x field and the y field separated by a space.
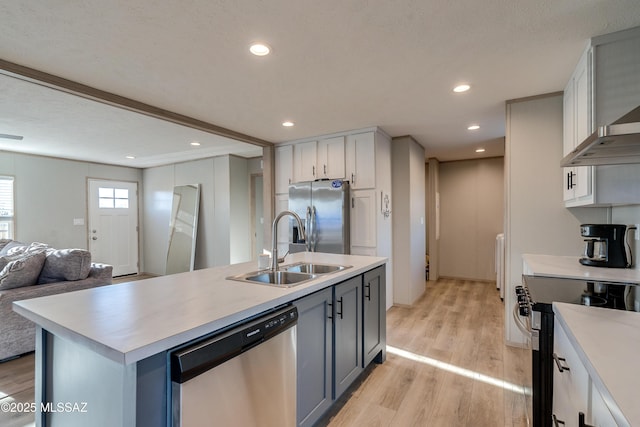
pixel 36 270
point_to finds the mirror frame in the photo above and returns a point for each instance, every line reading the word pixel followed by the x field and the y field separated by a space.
pixel 178 214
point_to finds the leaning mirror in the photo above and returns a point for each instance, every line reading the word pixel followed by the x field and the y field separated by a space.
pixel 183 228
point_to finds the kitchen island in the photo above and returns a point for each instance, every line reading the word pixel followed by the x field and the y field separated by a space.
pixel 106 348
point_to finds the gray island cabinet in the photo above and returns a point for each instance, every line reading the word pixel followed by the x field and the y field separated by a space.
pixel 340 331
pixel 102 354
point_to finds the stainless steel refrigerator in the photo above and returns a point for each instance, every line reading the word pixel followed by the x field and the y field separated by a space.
pixel 324 207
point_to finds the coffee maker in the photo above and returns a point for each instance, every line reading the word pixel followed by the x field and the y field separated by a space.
pixel 605 245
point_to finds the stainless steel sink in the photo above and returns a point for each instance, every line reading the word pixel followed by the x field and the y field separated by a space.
pixel 281 278
pixel 311 268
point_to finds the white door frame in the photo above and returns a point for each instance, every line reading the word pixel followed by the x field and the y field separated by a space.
pixel 120 268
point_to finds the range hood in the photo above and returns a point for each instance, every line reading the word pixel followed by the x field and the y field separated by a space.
pixel 614 144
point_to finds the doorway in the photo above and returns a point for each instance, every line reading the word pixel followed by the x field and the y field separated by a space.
pixel 113 224
pixel 257 216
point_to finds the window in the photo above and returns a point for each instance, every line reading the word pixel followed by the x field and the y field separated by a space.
pixel 6 207
pixel 113 198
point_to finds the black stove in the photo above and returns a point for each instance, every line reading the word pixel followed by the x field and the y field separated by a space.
pixel 535 318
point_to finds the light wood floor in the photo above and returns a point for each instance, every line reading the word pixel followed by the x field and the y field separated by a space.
pixel 446 366
pixel 454 332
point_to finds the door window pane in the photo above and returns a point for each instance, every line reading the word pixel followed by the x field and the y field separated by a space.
pixel 113 198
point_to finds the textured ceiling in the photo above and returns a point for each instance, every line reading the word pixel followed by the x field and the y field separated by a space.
pixel 336 65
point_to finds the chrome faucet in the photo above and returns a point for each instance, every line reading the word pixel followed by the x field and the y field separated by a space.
pixel 274 236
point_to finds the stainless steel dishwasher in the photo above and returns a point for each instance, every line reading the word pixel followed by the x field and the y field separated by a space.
pixel 245 376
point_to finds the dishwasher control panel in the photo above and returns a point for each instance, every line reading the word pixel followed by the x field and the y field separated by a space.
pixel 198 357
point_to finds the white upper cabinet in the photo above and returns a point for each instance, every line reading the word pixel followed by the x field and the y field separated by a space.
pixel 577 185
pixel 604 86
pixel 304 161
pixel 284 168
pixel 330 158
pixel 361 160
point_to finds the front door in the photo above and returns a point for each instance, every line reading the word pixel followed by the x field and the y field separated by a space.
pixel 113 225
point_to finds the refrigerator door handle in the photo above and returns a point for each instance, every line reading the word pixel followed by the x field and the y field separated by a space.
pixel 308 228
pixel 314 232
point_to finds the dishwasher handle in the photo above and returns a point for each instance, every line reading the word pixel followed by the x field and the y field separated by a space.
pixel 187 362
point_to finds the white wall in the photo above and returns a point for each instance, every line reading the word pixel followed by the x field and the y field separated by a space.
pixel 536 220
pixel 409 246
pixel 224 219
pixel 50 193
pixel 240 206
pixel 629 215
pixel 471 207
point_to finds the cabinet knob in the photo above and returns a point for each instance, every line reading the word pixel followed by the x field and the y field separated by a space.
pixel 94 238
pixel 313 170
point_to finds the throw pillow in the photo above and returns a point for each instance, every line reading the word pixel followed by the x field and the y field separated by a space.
pixel 23 271
pixel 13 247
pixel 4 242
pixel 17 252
pixel 65 264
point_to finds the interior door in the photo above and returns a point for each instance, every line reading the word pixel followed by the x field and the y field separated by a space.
pixel 113 225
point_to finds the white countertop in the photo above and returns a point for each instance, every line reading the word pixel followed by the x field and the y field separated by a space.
pixel 128 322
pixel 608 344
pixel 567 267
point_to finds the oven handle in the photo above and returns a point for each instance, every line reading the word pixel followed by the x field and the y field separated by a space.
pixel 524 328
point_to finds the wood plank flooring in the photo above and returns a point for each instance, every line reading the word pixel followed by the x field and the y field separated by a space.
pixel 446 366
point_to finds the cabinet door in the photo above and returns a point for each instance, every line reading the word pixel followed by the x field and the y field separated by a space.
pixel 582 125
pixel 314 356
pixel 361 164
pixel 363 219
pixel 374 316
pixel 284 168
pixel 570 386
pixel 331 158
pixel 568 137
pixel 304 164
pixel 347 334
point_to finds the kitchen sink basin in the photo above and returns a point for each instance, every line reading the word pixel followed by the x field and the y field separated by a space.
pixel 311 268
pixel 281 278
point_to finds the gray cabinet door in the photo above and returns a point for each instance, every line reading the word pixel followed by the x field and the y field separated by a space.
pixel 374 316
pixel 347 333
pixel 314 356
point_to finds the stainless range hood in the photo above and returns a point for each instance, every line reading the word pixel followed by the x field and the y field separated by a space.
pixel 615 144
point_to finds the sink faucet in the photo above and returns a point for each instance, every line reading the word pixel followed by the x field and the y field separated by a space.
pixel 274 236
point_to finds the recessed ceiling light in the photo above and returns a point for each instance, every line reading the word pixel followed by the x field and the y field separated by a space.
pixel 260 49
pixel 474 127
pixel 479 150
pixel 130 157
pixel 461 88
pixel 195 143
pixel 287 124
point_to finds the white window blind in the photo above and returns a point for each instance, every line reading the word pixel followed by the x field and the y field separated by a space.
pixel 6 207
